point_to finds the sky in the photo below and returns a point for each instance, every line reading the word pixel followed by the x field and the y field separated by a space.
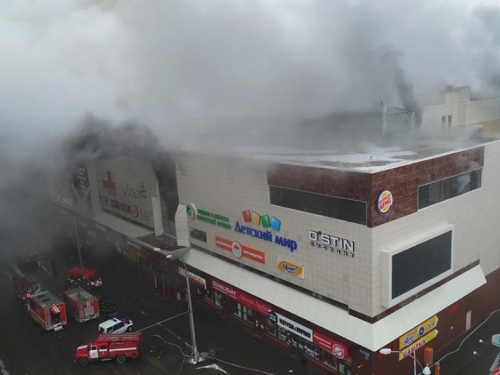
pixel 182 67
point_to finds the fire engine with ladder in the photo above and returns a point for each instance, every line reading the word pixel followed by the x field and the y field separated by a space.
pixel 47 310
pixel 108 347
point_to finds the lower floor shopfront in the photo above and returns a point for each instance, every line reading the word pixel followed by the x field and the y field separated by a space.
pixel 447 313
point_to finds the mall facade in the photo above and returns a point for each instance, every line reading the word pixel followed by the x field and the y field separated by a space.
pixel 329 261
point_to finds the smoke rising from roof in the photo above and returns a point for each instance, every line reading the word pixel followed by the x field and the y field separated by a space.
pixel 183 66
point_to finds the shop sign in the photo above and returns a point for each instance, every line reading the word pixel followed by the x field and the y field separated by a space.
pixel 333 243
pixel 384 202
pixel 109 185
pixel 140 193
pixel 418 344
pixel 140 213
pixel 103 200
pixel 294 327
pixel 114 204
pixel 243 298
pixel 266 236
pixel 416 333
pixel 239 250
pixel 291 269
pixel 208 217
pixel 198 235
pixel 365 353
pixel 193 277
pixel 336 348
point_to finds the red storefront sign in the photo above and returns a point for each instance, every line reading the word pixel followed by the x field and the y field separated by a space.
pixel 243 298
pixel 336 348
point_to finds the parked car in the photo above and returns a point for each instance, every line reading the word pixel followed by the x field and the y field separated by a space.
pixel 116 325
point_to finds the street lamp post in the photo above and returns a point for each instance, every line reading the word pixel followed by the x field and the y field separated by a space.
pixel 196 357
pixel 425 370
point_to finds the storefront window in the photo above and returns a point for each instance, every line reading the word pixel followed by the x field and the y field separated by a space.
pixel 331 361
pixel 271 327
pixel 344 369
pixel 241 311
pixel 217 298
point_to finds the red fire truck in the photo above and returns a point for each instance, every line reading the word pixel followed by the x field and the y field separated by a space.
pixel 79 276
pixel 108 347
pixel 81 304
pixel 47 310
pixel 24 287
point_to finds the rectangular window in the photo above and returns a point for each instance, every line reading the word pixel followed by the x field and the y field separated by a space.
pixel 420 263
pixel 443 124
pixel 271 327
pixel 447 188
pixel 323 205
pixel 217 298
pixel 449 121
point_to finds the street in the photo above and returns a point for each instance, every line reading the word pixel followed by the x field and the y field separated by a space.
pixel 27 349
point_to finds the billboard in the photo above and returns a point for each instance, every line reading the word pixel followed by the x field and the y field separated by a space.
pixel 127 187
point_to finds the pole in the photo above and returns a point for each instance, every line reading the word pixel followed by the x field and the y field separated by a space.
pixel 191 317
pixel 414 364
pixel 77 241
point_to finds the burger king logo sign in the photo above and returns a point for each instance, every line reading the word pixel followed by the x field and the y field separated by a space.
pixel 384 202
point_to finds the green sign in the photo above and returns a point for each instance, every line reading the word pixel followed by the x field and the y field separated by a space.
pixel 214 219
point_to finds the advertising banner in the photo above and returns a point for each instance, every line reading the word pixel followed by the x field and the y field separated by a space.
pixel 243 298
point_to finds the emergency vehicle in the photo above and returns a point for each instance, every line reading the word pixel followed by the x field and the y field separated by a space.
pixel 108 347
pixel 82 305
pixel 79 276
pixel 116 325
pixel 24 287
pixel 47 310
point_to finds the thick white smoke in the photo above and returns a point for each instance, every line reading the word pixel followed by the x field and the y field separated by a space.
pixel 179 66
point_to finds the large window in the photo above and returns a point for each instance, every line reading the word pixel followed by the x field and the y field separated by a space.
pixel 420 263
pixel 442 190
pixel 323 205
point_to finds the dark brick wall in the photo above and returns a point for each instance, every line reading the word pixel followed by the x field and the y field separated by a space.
pixel 402 182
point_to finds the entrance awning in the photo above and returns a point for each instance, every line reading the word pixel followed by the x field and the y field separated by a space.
pixel 334 319
pixel 121 226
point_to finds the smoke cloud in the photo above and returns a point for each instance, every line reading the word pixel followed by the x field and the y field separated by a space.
pixel 185 66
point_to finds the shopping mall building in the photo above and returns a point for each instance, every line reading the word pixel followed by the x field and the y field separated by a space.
pixel 330 257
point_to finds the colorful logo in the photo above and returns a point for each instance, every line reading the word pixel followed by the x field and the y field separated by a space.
pixel 191 211
pixel 125 208
pixel 338 351
pixel 384 202
pixel 262 220
pixel 291 269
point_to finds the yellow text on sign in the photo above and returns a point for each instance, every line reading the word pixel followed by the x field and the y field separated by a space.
pixel 416 333
pixel 418 344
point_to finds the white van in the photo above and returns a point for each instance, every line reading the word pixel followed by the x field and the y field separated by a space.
pixel 116 325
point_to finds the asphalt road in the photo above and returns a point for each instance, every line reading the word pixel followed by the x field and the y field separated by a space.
pixel 26 349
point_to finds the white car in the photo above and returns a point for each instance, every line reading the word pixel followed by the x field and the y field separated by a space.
pixel 116 325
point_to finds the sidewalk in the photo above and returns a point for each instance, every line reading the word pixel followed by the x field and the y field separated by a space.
pixel 233 345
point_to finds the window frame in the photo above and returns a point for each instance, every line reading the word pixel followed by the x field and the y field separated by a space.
pixel 365 224
pixel 479 182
